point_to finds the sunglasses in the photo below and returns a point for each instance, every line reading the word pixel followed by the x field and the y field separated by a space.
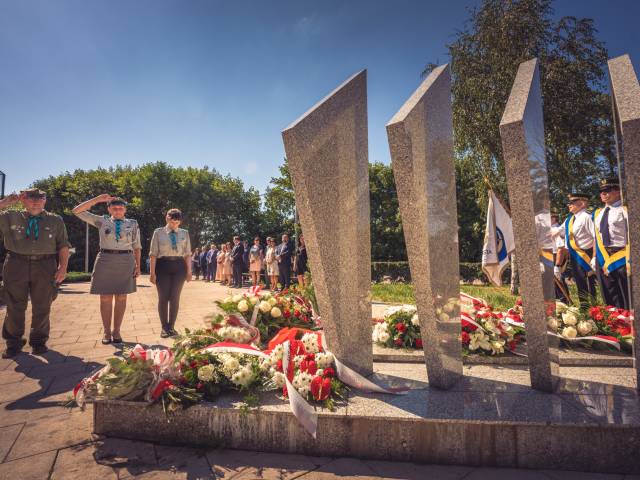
pixel 573 202
pixel 175 216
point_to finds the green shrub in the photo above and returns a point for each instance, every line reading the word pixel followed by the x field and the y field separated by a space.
pixel 469 271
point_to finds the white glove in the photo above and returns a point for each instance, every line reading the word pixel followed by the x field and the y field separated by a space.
pixel 593 264
pixel 557 272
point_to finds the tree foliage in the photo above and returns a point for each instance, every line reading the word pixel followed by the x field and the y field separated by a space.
pixel 485 55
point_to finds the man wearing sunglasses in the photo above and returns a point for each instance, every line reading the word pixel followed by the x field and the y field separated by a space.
pixel 37 255
pixel 611 245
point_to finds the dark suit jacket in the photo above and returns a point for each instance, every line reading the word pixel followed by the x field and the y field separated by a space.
pixel 236 253
pixel 284 250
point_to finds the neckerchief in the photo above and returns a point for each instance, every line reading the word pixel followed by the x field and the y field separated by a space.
pixel 118 227
pixel 33 226
pixel 174 240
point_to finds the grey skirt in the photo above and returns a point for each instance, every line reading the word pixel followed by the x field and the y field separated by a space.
pixel 113 274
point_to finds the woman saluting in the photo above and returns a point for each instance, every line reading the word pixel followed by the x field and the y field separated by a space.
pixel 118 263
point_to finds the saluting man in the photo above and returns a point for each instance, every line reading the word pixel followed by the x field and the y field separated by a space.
pixel 37 254
pixel 611 245
pixel 578 233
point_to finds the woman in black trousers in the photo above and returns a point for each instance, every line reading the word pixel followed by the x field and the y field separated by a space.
pixel 170 255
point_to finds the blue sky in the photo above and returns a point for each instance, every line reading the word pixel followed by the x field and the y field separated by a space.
pixel 88 83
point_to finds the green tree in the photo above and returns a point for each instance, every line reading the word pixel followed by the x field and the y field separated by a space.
pixel 279 203
pixel 485 55
pixel 387 237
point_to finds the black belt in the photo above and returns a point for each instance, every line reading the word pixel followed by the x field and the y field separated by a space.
pixel 105 250
pixel 33 258
pixel 171 258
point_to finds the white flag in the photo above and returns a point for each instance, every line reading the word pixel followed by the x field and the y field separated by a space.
pixel 498 241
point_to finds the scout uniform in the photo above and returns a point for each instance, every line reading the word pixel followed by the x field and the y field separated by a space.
pixel 612 244
pixel 32 244
pixel 170 247
pixel 115 265
pixel 578 233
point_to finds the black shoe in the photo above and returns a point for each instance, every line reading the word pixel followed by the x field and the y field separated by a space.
pixel 39 349
pixel 11 352
pixel 165 334
pixel 117 340
pixel 173 332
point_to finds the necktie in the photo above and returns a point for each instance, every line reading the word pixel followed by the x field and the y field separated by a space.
pixel 33 227
pixel 118 226
pixel 174 240
pixel 604 228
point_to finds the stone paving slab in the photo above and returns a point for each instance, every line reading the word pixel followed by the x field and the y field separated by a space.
pixel 39 439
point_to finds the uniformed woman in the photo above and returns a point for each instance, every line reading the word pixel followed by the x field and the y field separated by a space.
pixel 170 254
pixel 117 265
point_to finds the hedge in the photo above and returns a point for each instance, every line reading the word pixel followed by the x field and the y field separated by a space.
pixel 469 271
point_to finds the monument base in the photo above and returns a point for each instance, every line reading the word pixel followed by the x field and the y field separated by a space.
pixel 490 418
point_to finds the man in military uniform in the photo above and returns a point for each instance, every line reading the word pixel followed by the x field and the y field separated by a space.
pixel 37 255
pixel 578 233
pixel 611 245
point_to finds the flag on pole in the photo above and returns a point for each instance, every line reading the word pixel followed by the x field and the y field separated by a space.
pixel 498 240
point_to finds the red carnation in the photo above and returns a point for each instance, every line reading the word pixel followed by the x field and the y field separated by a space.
pixel 286 314
pixel 309 366
pixel 200 386
pixel 279 366
pixel 401 327
pixel 465 338
pixel 310 356
pixel 328 372
pixel 193 364
pixel 593 311
pixel 285 393
pixel 512 345
pixel 418 343
pixel 296 313
pixel 519 302
pixel 160 388
pixel 398 342
pixel 320 388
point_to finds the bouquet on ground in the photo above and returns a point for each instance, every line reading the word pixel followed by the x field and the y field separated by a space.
pixel 297 359
pixel 487 332
pixel 270 312
pixel 400 328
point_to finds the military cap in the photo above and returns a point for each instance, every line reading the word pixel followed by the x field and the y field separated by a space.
pixel 117 201
pixel 579 196
pixel 34 193
pixel 609 183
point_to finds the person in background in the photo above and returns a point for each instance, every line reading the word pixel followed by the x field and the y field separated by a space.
pixel 170 254
pixel 211 265
pixel 301 267
pixel 203 262
pixel 195 263
pixel 118 263
pixel 610 256
pixel 220 264
pixel 228 269
pixel 256 259
pixel 214 262
pixel 245 256
pixel 272 263
pixel 559 260
pixel 283 256
pixel 237 262
pixel 36 263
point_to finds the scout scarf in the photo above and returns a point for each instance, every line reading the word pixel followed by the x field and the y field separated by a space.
pixel 174 240
pixel 33 226
pixel 118 228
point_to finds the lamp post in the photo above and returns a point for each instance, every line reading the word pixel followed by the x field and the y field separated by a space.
pixel 86 248
pixel 2 179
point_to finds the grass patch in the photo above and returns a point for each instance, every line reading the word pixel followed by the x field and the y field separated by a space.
pixel 74 277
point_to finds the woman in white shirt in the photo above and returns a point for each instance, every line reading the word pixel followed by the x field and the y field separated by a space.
pixel 272 264
pixel 170 267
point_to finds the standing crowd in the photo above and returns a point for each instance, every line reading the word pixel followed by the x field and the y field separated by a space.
pixel 37 247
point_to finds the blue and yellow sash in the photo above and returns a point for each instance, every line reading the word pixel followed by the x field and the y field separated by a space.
pixel 578 254
pixel 609 263
pixel 546 258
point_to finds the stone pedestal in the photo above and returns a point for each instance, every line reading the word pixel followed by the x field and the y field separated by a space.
pixel 421 144
pixel 522 133
pixel 327 154
pixel 625 92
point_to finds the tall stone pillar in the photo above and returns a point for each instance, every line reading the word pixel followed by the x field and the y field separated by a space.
pixel 625 92
pixel 327 154
pixel 522 133
pixel 421 144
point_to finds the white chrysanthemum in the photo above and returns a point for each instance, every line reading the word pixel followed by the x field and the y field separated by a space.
pixel 275 312
pixel 243 306
pixel 237 298
pixel 324 360
pixel 561 307
pixel 310 341
pixel 272 301
pixel 497 346
pixel 244 376
pixel 569 332
pixel 278 378
pixel 584 328
pixel 302 382
pixel 206 373
pixel 552 323
pixel 479 340
pixel 383 337
pixel 234 334
pixel 297 360
pixel 230 365
pixel 415 320
pixel 253 299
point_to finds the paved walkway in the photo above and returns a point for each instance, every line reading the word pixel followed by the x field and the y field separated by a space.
pixel 40 439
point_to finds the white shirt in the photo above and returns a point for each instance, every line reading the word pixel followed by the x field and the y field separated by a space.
pixel 583 230
pixel 557 232
pixel 161 243
pixel 617 224
pixel 129 232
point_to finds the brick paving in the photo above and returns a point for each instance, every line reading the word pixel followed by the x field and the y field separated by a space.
pixel 40 439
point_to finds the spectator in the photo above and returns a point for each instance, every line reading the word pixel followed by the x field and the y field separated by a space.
pixel 256 258
pixel 245 256
pixel 237 262
pixel 203 262
pixel 228 270
pixel 272 263
pixel 211 263
pixel 220 264
pixel 300 264
pixel 195 263
pixel 283 256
